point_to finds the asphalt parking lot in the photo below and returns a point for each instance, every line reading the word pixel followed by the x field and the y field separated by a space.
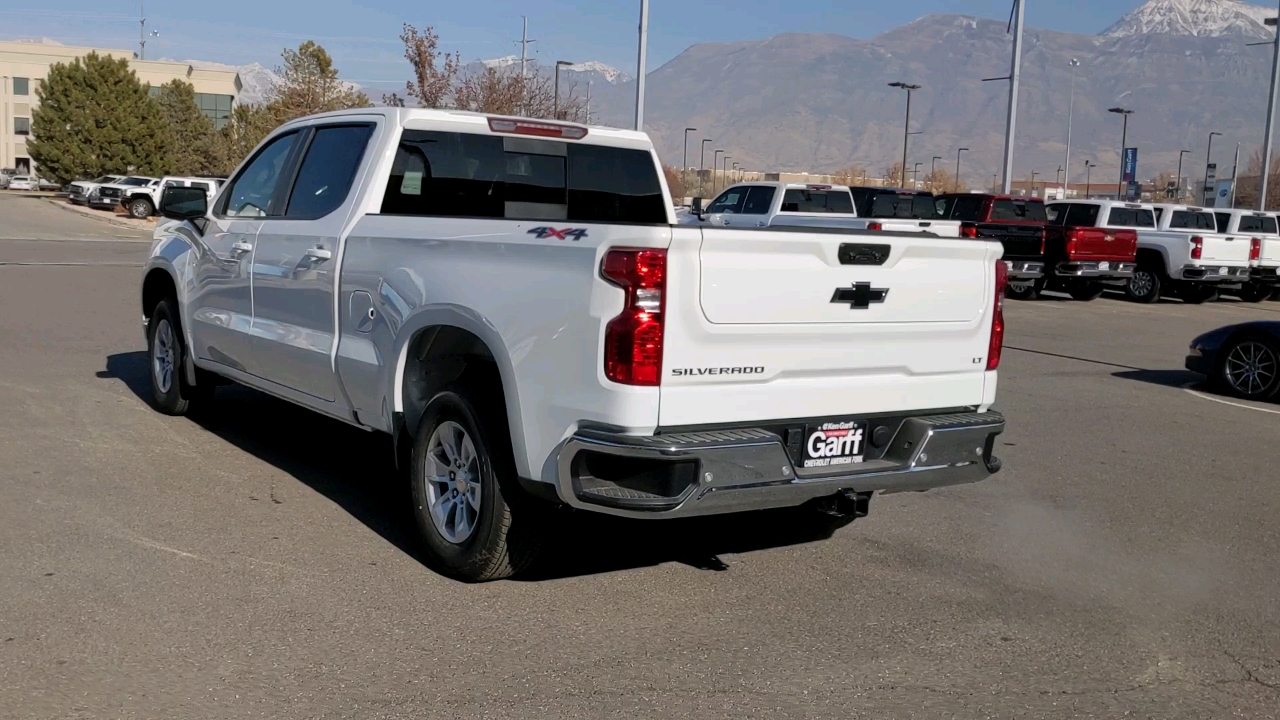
pixel 260 562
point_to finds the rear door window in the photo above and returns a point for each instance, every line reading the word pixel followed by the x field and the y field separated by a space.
pixel 805 200
pixel 759 200
pixel 1018 210
pixel 1264 225
pixel 447 174
pixel 1189 220
pixel 1131 217
pixel 328 170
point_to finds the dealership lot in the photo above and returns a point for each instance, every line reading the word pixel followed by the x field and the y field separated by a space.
pixel 1126 559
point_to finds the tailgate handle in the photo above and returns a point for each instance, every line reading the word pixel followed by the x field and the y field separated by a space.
pixel 860 254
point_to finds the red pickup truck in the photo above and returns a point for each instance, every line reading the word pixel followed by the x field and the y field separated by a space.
pixel 1083 259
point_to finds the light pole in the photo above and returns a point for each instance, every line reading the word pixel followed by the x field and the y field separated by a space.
pixel 1271 119
pixel 1207 155
pixel 644 46
pixel 906 130
pixel 1124 139
pixel 1033 183
pixel 1088 175
pixel 1057 180
pixel 736 177
pixel 715 163
pixel 956 187
pixel 933 173
pixel 915 176
pixel 555 102
pixel 994 187
pixel 1178 179
pixel 686 146
pixel 724 170
pixel 1071 109
pixel 702 165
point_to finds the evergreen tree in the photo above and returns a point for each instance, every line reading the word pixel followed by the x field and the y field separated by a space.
pixel 196 146
pixel 309 84
pixel 96 118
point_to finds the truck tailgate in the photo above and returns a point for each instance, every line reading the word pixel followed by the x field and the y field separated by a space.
pixel 794 324
pixel 941 228
pixel 1226 248
pixel 1020 241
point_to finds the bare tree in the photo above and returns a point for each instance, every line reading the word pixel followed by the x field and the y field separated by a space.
pixel 431 85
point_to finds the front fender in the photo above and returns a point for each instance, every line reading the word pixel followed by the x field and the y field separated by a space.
pixel 171 253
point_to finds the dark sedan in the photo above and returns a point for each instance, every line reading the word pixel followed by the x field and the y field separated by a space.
pixel 1243 360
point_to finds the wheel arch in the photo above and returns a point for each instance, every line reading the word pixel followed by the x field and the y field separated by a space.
pixel 438 346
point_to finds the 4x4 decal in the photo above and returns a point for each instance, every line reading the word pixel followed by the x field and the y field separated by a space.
pixel 574 234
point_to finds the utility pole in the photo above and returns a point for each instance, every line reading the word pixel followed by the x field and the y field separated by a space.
pixel 142 31
pixel 524 59
pixel 906 130
pixel 1071 109
pixel 1271 118
pixel 589 83
pixel 644 46
pixel 1015 74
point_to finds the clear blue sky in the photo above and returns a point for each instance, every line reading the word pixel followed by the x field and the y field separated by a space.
pixel 362 35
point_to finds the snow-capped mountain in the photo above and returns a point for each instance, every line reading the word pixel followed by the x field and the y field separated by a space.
pixel 1199 18
pixel 610 73
pixel 502 61
pixel 256 81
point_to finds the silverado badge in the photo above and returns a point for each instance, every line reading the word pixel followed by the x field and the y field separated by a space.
pixel 860 296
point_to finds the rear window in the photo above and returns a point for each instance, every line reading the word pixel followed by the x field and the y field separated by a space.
pixel 1133 217
pixel 1188 220
pixel 445 174
pixel 1018 210
pixel 968 209
pixel 912 207
pixel 1265 225
pixel 1224 221
pixel 817 201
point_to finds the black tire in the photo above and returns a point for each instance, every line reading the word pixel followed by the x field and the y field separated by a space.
pixel 141 208
pixel 1022 292
pixel 1144 286
pixel 1199 294
pixel 502 535
pixel 1254 293
pixel 170 392
pixel 1249 367
pixel 1085 292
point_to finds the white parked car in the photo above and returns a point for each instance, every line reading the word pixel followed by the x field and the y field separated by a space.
pixel 142 202
pixel 23 182
pixel 780 204
pixel 1264 250
pixel 512 301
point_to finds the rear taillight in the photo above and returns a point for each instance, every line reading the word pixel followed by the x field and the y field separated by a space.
pixel 1197 248
pixel 875 226
pixel 1255 249
pixel 997 318
pixel 1044 237
pixel 1073 240
pixel 968 230
pixel 633 340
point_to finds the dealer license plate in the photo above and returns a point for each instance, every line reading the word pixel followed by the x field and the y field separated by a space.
pixel 1104 266
pixel 835 443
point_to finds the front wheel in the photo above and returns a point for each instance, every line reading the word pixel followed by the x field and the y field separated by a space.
pixel 1144 286
pixel 166 353
pixel 462 474
pixel 1250 367
pixel 141 208
pixel 1084 292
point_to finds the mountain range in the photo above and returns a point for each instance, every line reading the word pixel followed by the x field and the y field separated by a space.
pixel 821 102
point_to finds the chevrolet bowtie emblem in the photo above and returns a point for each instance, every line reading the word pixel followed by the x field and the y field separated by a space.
pixel 860 296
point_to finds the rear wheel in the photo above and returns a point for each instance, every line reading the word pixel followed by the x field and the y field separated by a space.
pixel 1087 291
pixel 474 520
pixel 1253 292
pixel 1144 286
pixel 141 208
pixel 1250 367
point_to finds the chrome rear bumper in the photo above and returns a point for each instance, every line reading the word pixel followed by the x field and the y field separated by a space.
pixel 1095 269
pixel 735 470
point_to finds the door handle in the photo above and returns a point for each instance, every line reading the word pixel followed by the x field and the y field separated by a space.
pixel 319 254
pixel 724 222
pixel 241 248
pixel 760 224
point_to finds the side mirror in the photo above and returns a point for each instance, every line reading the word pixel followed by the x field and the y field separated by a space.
pixel 697 207
pixel 184 203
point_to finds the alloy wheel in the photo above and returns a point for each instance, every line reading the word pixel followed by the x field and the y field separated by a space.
pixel 1251 368
pixel 1141 283
pixel 163 355
pixel 453 482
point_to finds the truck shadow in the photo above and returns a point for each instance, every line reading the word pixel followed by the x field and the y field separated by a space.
pixel 356 470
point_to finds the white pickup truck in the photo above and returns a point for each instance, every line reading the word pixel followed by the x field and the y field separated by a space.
pixel 78 191
pixel 1264 250
pixel 781 204
pixel 513 302
pixel 142 202
pixel 1180 252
